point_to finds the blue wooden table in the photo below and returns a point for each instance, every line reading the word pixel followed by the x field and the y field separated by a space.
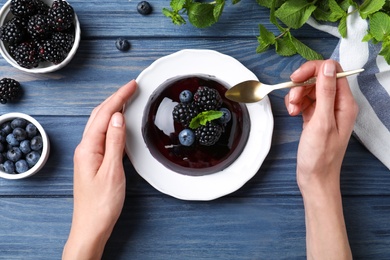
pixel 262 220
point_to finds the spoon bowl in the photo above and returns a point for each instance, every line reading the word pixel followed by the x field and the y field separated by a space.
pixel 251 91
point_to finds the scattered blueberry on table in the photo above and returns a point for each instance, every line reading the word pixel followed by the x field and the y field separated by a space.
pixel 144 8
pixel 20 146
pixel 122 44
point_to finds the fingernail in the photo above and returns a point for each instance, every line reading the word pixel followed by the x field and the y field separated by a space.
pixel 291 96
pixel 117 120
pixel 295 73
pixel 291 108
pixel 329 69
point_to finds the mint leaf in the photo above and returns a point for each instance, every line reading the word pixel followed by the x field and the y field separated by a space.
pixel 385 51
pixel 343 27
pixel 177 5
pixel 174 16
pixel 370 6
pixel 379 25
pixel 268 3
pixel 265 35
pixel 304 50
pixel 265 39
pixel 218 9
pixel 294 13
pixel 204 117
pixel 336 11
pixel 201 15
pixel 285 47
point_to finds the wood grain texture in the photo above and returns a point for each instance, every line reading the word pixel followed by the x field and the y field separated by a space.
pixel 262 220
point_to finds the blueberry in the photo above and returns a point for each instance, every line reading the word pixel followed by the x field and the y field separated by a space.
pixel 6 128
pixel 144 8
pixel 186 137
pixel 226 116
pixel 36 143
pixel 19 134
pixel 25 146
pixel 12 140
pixel 31 130
pixel 9 167
pixel 32 158
pixel 18 122
pixel 185 96
pixel 122 44
pixel 21 166
pixel 14 154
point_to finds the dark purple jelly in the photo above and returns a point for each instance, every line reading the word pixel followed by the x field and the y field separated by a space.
pixel 160 132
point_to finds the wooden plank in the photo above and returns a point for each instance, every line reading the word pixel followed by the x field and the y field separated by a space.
pixel 162 227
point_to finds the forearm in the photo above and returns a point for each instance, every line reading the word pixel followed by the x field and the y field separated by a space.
pixel 83 246
pixel 326 235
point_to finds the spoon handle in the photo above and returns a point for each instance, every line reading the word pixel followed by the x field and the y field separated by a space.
pixel 313 80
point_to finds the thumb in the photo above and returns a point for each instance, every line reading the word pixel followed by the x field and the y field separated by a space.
pixel 326 89
pixel 115 139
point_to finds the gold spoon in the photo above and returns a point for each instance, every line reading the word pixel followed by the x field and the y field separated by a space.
pixel 251 91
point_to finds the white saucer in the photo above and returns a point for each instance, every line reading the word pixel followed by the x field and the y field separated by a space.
pixel 206 187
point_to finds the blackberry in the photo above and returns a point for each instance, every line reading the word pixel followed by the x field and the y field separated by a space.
pixel 65 40
pixel 184 112
pixel 208 134
pixel 25 54
pixel 19 21
pixel 13 31
pixel 49 51
pixel 41 7
pixel 38 26
pixel 207 99
pixel 23 7
pixel 10 90
pixel 61 15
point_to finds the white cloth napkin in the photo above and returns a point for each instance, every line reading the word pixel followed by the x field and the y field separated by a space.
pixel 370 88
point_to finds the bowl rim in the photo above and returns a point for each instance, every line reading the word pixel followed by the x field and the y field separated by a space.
pixel 45 150
pixel 5 12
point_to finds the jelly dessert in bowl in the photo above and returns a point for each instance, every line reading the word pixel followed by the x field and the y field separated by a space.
pixel 191 128
pixel 184 137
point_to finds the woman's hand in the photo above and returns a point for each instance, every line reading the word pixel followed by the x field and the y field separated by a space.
pixel 99 179
pixel 329 112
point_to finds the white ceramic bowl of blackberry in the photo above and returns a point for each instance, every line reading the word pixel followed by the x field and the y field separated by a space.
pixel 24 146
pixel 51 45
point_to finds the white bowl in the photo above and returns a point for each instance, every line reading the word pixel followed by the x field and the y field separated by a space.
pixel 205 187
pixel 45 149
pixel 44 67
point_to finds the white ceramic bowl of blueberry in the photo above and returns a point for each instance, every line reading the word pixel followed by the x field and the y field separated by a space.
pixel 48 61
pixel 24 146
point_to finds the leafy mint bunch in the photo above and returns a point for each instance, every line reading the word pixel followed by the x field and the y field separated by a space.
pixel 293 14
pixel 200 14
pixel 290 15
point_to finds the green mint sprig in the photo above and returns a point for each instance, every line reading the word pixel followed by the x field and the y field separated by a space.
pixel 200 14
pixel 204 117
pixel 290 15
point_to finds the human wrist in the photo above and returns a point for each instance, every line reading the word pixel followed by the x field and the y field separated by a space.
pixel 85 245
